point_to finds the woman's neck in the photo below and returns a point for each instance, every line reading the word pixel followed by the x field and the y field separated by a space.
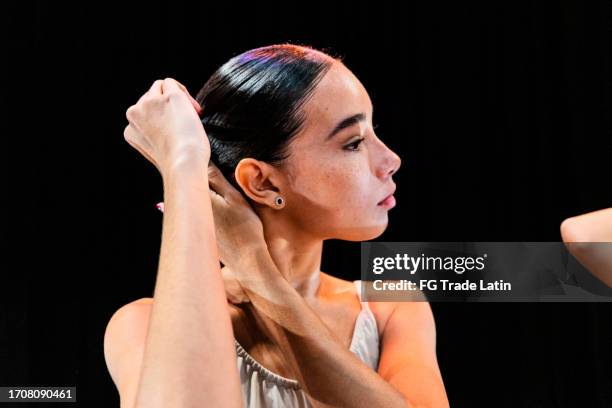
pixel 297 257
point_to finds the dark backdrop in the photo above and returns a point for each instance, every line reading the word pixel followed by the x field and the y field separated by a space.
pixel 499 111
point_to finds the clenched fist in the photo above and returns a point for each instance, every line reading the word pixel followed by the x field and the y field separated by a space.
pixel 164 126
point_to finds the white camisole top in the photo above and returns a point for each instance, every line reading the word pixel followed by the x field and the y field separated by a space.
pixel 262 388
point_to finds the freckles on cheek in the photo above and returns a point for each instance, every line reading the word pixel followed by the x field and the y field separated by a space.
pixel 330 183
pixel 346 187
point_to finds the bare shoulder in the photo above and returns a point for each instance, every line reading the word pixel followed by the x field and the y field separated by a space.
pixel 126 332
pixel 128 314
pixel 595 226
pixel 125 335
pixel 406 321
pixel 405 313
pixel 135 316
pixel 382 311
pixel 124 344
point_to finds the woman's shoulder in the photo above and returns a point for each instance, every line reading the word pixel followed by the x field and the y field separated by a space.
pixel 148 301
pixel 142 301
pixel 124 339
pixel 133 315
pixel 140 309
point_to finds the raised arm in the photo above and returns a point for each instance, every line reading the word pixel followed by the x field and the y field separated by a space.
pixel 188 358
pixel 589 238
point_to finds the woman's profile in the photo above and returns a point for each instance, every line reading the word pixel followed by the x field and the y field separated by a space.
pixel 279 146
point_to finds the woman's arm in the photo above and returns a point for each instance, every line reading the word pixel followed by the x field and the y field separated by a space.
pixel 189 358
pixel 331 374
pixel 408 360
pixel 589 238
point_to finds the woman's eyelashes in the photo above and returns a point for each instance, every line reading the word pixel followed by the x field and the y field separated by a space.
pixel 353 146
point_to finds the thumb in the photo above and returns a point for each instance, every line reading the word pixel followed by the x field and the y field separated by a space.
pixel 217 181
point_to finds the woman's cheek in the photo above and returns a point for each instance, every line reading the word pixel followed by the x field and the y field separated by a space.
pixel 350 184
pixel 332 184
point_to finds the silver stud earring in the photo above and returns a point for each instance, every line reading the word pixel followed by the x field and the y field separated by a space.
pixel 279 201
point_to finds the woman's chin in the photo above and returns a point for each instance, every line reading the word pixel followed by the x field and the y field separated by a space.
pixel 364 233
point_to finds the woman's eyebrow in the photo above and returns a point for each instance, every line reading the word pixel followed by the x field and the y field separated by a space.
pixel 347 122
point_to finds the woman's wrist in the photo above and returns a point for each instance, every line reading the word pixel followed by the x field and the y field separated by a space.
pixel 187 166
pixel 260 271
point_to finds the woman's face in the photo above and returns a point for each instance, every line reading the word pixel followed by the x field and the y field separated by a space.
pixel 335 181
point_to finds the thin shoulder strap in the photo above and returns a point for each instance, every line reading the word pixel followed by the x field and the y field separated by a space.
pixel 358 284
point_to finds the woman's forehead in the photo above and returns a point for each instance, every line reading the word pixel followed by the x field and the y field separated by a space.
pixel 339 94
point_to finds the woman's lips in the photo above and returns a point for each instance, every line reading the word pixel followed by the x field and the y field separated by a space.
pixel 388 202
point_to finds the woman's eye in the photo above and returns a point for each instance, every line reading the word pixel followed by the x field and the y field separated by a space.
pixel 354 145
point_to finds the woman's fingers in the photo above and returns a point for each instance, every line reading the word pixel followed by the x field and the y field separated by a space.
pixel 217 181
pixel 156 88
pixel 169 85
pixel 233 290
pixel 173 84
pixel 195 103
pixel 132 136
pixel 214 196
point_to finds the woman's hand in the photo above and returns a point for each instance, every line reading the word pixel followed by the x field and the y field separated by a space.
pixel 164 126
pixel 238 229
pixel 234 291
pixel 240 236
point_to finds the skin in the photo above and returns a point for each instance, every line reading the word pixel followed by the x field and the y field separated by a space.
pixel 154 352
pixel 588 237
pixel 284 310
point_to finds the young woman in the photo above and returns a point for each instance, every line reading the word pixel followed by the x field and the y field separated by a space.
pixel 287 157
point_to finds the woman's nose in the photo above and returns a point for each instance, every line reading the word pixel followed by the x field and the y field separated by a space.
pixel 390 164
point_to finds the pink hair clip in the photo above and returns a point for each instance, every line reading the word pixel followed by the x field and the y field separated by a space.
pixel 160 206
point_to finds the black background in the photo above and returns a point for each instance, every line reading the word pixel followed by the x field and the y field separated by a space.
pixel 500 112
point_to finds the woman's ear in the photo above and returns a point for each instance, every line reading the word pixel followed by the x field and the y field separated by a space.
pixel 255 179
